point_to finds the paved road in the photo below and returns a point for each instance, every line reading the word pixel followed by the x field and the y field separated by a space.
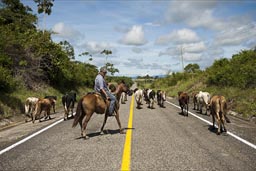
pixel 162 139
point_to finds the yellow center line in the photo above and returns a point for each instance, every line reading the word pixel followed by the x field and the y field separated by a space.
pixel 127 146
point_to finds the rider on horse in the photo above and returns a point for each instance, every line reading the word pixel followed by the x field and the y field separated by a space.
pixel 101 87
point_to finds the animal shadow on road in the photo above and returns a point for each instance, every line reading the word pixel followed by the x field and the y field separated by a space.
pixel 105 132
pixel 214 130
pixel 182 114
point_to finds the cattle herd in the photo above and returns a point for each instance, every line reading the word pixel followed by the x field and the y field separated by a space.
pixel 202 102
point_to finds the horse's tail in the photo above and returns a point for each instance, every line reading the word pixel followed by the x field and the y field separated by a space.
pixel 78 113
pixel 26 106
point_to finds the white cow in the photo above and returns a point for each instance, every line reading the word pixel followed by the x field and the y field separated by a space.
pixel 203 100
pixel 138 93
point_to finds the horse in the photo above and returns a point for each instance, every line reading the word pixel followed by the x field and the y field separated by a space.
pixel 42 105
pixel 218 108
pixel 30 105
pixel 138 97
pixel 183 101
pixel 54 100
pixel 95 103
pixel 161 97
pixel 68 102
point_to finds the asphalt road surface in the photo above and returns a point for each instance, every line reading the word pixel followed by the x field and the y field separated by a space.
pixel 161 139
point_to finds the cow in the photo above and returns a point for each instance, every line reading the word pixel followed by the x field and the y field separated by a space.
pixel 183 98
pixel 42 105
pixel 138 93
pixel 30 105
pixel 218 109
pixel 194 96
pixel 161 97
pixel 123 97
pixel 149 96
pixel 68 101
pixel 203 100
pixel 54 100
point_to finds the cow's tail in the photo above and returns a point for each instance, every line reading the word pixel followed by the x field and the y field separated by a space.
pixel 78 113
pixel 26 107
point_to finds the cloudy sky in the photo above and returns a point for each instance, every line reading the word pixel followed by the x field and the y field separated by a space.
pixel 152 36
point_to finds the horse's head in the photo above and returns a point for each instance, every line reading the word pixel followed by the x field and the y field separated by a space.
pixel 124 88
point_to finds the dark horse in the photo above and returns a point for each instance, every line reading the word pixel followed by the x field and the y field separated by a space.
pixel 68 101
pixel 94 102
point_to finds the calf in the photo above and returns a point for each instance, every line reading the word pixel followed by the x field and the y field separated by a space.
pixel 183 101
pixel 42 105
pixel 218 108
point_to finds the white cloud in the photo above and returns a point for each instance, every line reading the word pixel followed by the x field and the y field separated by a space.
pixel 179 36
pixel 96 47
pixel 237 36
pixel 194 47
pixel 66 32
pixel 135 36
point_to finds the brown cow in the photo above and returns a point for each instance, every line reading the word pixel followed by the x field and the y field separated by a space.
pixel 42 105
pixel 218 107
pixel 183 101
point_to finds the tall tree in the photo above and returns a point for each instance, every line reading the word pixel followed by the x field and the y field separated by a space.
pixel 106 52
pixel 45 7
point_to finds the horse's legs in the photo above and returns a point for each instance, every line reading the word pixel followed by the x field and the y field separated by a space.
pixel 104 123
pixel 119 123
pixel 84 125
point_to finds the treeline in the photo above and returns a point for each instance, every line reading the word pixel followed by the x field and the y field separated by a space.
pixel 239 71
pixel 234 78
pixel 31 63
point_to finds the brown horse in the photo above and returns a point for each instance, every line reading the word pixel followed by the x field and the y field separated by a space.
pixel 94 102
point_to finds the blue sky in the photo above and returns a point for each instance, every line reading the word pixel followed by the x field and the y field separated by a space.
pixel 150 36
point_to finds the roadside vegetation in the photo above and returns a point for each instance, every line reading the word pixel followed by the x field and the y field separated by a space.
pixel 31 64
pixel 234 78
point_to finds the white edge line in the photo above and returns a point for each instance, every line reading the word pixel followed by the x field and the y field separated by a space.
pixel 210 123
pixel 29 137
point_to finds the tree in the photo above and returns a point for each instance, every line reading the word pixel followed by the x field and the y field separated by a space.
pixel 86 53
pixel 111 69
pixel 45 7
pixel 106 52
pixel 68 48
pixel 192 68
